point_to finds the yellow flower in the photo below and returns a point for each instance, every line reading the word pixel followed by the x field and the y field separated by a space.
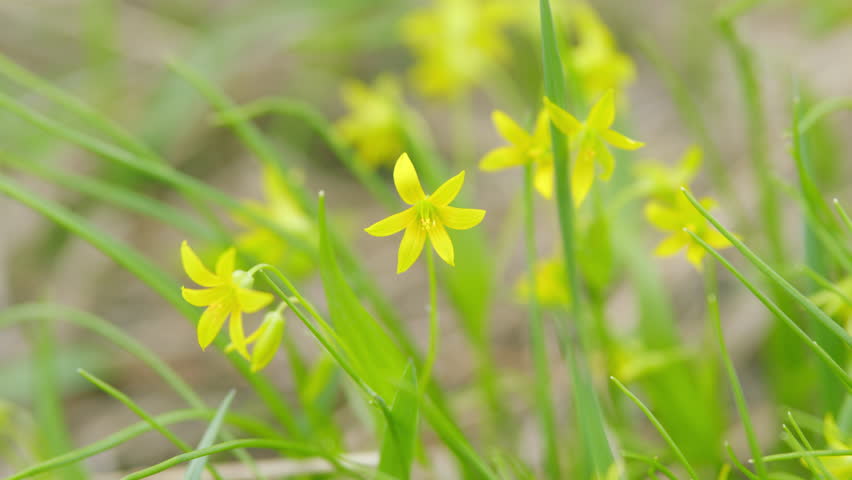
pixel 664 182
pixel 834 304
pixel 427 217
pixel 228 293
pixel 839 467
pixel 456 43
pixel 268 337
pixel 589 140
pixel 550 288
pixel 373 124
pixel 595 58
pixel 525 148
pixel 682 215
pixel 281 208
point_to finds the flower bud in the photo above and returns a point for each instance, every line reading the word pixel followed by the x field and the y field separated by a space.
pixel 243 279
pixel 271 333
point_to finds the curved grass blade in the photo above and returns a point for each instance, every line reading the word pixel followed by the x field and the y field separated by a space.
pixel 400 438
pixel 197 465
pixel 659 427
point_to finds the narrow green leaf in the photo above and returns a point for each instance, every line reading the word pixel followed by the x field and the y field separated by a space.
pixel 659 427
pixel 197 465
pixel 400 438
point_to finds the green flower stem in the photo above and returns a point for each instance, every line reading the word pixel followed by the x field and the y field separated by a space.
pixel 135 408
pixel 652 462
pixel 815 462
pixel 757 135
pixel 587 407
pixel 823 109
pixel 804 454
pixel 712 293
pixel 543 395
pixel 843 215
pixel 659 426
pixel 797 330
pixel 432 352
pixel 738 464
pixel 818 314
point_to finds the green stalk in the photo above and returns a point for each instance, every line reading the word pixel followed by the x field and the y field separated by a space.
pixel 812 453
pixel 817 463
pixel 660 428
pixel 712 292
pixel 843 215
pixel 758 140
pixel 432 352
pixel 543 395
pixel 588 412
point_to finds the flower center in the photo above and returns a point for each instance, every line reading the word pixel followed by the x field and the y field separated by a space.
pixel 427 215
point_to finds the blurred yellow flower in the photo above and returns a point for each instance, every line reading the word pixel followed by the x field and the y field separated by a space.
pixel 839 467
pixel 228 293
pixel 676 217
pixel 525 148
pixel 595 58
pixel 550 288
pixel 283 209
pixel 663 182
pixel 372 125
pixel 427 217
pixel 268 338
pixel 589 142
pixel 834 304
pixel 456 43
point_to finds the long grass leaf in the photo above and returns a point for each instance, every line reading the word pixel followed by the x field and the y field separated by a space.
pixel 197 465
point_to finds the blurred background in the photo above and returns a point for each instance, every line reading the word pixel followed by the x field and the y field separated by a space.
pixel 359 66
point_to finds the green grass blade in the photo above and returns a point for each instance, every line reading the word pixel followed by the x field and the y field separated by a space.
pixel 155 278
pixel 197 465
pixel 733 378
pixel 590 422
pixel 776 278
pixel 48 398
pixel 109 442
pixel 659 427
pixel 816 463
pixel 400 438
pixel 822 110
pixel 839 371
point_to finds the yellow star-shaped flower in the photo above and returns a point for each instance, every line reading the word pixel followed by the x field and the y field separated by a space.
pixel 373 122
pixel 525 148
pixel 428 217
pixel 589 140
pixel 664 182
pixel 679 216
pixel 228 293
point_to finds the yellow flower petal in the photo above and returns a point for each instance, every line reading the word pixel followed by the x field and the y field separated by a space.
pixel 509 129
pixel 542 126
pixel 620 141
pixel 195 269
pixel 563 120
pixel 715 239
pixel 448 191
pixel 603 113
pixel 500 158
pixel 211 322
pixel 672 244
pixel 238 335
pixel 605 159
pixel 410 248
pixel 460 218
pixel 663 217
pixel 695 255
pixel 225 263
pixel 250 301
pixel 203 297
pixel 440 239
pixel 582 176
pixel 392 224
pixel 543 179
pixel 406 181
